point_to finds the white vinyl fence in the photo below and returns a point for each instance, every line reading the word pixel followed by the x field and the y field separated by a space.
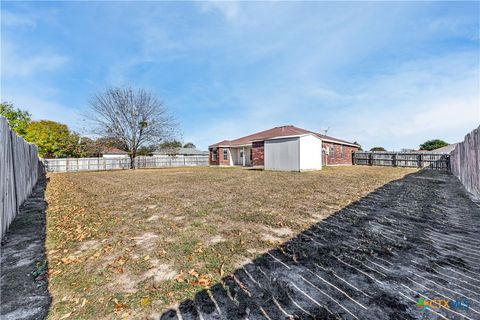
pixel 465 162
pixel 19 172
pixel 170 161
pixel 85 164
pixel 97 164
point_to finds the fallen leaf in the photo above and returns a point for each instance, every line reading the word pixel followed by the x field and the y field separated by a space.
pixel 205 280
pixel 193 273
pixel 179 277
pixel 220 271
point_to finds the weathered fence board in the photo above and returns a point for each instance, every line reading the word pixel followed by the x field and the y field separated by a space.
pixel 436 161
pixel 19 171
pixel 97 164
pixel 465 162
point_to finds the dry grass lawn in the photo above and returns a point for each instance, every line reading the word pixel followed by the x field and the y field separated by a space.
pixel 129 244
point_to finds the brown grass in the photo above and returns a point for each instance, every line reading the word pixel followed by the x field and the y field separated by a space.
pixel 132 243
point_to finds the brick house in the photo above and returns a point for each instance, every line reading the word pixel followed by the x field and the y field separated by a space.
pixel 285 148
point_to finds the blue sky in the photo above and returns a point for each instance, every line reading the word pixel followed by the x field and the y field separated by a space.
pixel 384 74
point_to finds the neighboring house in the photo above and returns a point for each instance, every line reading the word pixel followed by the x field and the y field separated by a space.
pixel 285 148
pixel 111 153
pixel 180 152
pixel 446 149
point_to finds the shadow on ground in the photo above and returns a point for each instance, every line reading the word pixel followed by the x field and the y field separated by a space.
pixel 24 277
pixel 413 238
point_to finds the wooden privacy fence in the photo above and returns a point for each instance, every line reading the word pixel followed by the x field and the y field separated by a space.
pixel 465 162
pixel 429 160
pixel 19 172
pixel 97 164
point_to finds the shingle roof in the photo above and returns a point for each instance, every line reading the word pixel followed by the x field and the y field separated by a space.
pixel 283 131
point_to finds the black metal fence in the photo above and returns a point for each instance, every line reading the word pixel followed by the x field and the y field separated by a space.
pixel 436 161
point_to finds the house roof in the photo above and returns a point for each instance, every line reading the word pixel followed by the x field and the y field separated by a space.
pixel 181 151
pixel 283 131
pixel 113 151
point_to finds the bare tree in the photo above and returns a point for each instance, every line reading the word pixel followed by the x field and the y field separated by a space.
pixel 135 117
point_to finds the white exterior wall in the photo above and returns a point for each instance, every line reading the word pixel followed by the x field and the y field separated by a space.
pixel 282 154
pixel 310 153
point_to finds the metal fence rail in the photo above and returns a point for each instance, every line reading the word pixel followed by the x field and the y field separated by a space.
pixel 100 164
pixel 19 172
pixel 435 161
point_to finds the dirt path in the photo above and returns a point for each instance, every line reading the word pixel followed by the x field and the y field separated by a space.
pixel 24 283
pixel 418 237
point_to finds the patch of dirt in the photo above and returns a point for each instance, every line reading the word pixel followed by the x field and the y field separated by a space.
pixel 157 274
pixel 214 240
pixel 146 240
pixel 89 245
pixel 123 283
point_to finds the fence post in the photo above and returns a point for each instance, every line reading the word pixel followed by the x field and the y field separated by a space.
pixel 419 160
pixel 394 159
pixel 370 159
pixel 66 165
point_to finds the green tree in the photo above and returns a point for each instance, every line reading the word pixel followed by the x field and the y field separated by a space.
pixel 378 149
pixel 18 119
pixel 189 145
pixel 359 146
pixel 433 144
pixel 171 144
pixel 52 138
pixel 146 150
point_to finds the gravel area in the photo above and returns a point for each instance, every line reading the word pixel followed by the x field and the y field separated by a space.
pixel 24 282
pixel 414 238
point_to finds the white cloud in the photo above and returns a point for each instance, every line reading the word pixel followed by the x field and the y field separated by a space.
pixel 16 63
pixel 229 9
pixel 12 20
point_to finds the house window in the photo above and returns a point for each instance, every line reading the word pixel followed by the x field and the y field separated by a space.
pixel 241 153
pixel 341 151
pixel 214 154
pixel 332 151
pixel 225 154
